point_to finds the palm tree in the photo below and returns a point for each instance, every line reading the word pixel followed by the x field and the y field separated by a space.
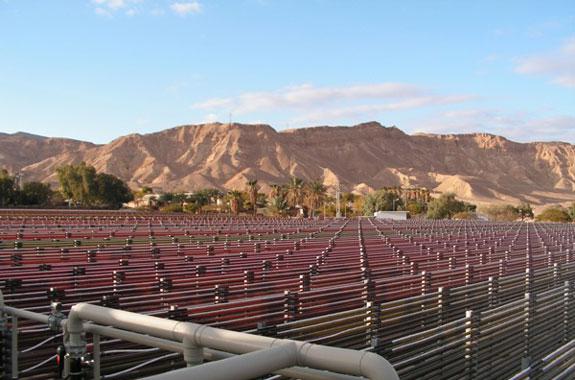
pixel 235 198
pixel 276 190
pixel 278 204
pixel 252 189
pixel 295 189
pixel 315 194
pixel 347 200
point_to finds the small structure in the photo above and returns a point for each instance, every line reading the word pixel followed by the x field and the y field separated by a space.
pixel 148 200
pixel 393 215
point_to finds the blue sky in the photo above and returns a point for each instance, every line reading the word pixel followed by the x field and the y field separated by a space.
pixel 98 69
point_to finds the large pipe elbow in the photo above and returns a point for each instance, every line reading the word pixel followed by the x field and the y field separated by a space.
pixel 366 364
pixel 74 324
pixel 74 328
pixel 375 367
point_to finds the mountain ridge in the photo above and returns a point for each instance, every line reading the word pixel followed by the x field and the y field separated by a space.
pixel 478 167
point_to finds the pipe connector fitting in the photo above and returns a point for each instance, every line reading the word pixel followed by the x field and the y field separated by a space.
pixel 56 317
pixel 193 354
pixel 75 342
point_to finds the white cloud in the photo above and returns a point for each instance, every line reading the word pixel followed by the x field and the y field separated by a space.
pixel 309 97
pixel 519 126
pixel 102 12
pixel 559 65
pixel 311 104
pixel 157 12
pixel 112 4
pixel 109 7
pixel 210 118
pixel 186 8
pixel 368 111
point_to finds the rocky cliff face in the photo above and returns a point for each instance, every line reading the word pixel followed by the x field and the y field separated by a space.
pixel 478 167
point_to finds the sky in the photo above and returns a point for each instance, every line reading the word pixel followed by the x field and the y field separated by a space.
pixel 98 69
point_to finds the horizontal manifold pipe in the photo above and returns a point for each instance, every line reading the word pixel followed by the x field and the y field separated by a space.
pixel 209 354
pixel 241 367
pixel 25 314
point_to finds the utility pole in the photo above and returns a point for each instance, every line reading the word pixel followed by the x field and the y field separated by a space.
pixel 393 202
pixel 18 181
pixel 337 201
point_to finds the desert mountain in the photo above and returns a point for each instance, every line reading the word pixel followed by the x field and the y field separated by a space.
pixel 482 168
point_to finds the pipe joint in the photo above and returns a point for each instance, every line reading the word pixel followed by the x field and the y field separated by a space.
pixel 56 317
pixel 75 342
pixel 186 330
pixel 374 366
pixel 193 354
pixel 2 315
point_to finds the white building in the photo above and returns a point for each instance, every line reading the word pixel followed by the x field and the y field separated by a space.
pixel 393 215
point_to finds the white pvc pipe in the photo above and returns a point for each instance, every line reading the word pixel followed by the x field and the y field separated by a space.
pixel 208 354
pixel 25 314
pixel 14 347
pixel 145 340
pixel 97 356
pixel 168 345
pixel 241 367
pixel 340 360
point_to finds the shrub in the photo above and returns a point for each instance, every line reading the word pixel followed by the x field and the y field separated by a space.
pixel 381 200
pixel 446 206
pixel 502 213
pixel 464 215
pixel 554 214
pixel 172 207
pixel 416 207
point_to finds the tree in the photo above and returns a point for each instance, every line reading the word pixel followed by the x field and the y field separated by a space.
pixel 295 188
pixel 446 206
pixel 347 200
pixel 111 191
pixel 278 205
pixel 315 194
pixel 208 196
pixel 358 203
pixel 235 198
pixel 144 191
pixel 525 211
pixel 7 191
pixel 381 200
pixel 165 198
pixel 416 207
pixel 275 190
pixel 571 211
pixel 252 189
pixel 554 214
pixel 36 193
pixel 78 183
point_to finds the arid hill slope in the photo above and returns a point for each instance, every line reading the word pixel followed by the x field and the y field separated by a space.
pixel 478 167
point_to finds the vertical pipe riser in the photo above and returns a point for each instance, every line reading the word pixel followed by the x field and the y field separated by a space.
pixel 14 347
